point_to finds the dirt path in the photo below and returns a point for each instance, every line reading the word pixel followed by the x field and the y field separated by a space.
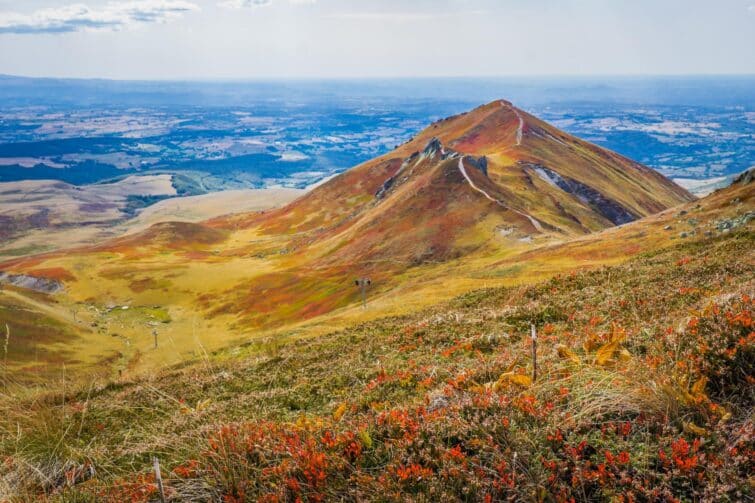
pixel 520 128
pixel 463 170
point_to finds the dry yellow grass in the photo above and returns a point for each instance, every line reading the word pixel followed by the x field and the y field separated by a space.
pixel 173 283
pixel 101 206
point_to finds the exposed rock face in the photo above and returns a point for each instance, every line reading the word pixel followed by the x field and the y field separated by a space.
pixel 480 163
pixel 432 148
pixel 435 148
pixel 383 190
pixel 390 182
pixel 728 224
pixel 610 209
pixel 43 285
pixel 745 177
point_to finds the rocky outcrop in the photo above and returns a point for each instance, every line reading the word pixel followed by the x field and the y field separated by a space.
pixel 383 190
pixel 745 177
pixel 481 163
pixel 433 147
pixel 391 181
pixel 728 224
pixel 608 208
pixel 44 285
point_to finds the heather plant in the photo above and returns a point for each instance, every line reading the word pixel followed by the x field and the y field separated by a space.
pixel 643 394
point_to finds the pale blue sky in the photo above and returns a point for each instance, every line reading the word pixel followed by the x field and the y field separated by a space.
pixel 250 39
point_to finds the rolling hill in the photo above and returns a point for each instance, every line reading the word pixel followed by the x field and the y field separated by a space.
pixel 424 222
pixel 643 390
pixel 461 181
pixel 44 215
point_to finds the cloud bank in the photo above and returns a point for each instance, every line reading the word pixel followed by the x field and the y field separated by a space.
pixel 244 4
pixel 113 16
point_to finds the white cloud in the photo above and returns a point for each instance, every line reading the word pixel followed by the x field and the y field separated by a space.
pixel 243 4
pixel 751 8
pixel 78 17
pixel 399 16
pixel 386 16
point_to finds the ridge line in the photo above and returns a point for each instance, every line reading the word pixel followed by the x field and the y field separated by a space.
pixel 520 128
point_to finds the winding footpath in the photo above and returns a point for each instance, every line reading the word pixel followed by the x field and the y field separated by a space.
pixel 520 128
pixel 519 135
pixel 532 220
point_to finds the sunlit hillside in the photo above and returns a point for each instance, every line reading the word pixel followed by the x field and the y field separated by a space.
pixel 642 390
pixel 436 217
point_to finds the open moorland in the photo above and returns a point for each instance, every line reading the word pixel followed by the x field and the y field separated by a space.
pixel 643 391
pixel 237 350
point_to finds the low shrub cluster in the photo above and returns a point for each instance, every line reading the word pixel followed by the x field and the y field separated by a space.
pixel 644 392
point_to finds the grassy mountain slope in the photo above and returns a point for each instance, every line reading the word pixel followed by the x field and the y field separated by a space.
pixel 516 146
pixel 425 222
pixel 644 392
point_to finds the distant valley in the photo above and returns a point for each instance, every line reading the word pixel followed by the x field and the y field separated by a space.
pixel 253 135
pixel 43 215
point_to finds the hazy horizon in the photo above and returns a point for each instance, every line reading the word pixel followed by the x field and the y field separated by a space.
pixel 392 78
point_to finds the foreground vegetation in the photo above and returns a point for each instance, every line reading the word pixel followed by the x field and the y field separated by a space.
pixel 644 392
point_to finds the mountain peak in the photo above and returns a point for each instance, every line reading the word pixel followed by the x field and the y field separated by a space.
pixel 461 182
